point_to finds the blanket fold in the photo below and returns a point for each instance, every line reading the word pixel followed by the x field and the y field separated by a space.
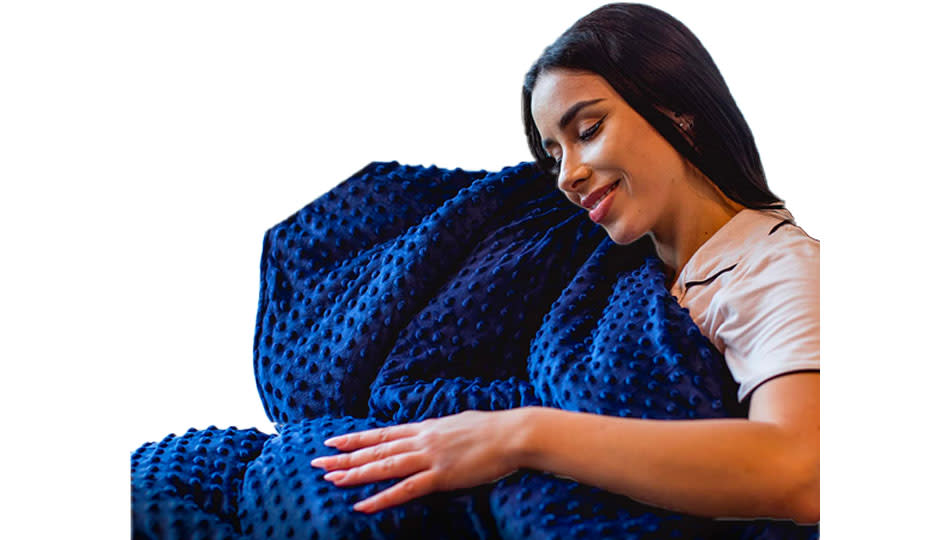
pixel 408 293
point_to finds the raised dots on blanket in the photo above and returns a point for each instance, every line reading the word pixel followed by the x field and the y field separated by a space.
pixel 188 486
pixel 408 293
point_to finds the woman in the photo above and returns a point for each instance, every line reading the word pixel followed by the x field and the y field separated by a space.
pixel 631 115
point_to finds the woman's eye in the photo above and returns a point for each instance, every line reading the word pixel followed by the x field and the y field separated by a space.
pixel 589 132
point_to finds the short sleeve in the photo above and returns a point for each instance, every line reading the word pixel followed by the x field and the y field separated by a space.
pixel 769 311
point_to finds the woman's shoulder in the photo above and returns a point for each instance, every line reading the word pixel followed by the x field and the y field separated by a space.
pixel 753 289
pixel 756 248
pixel 753 241
pixel 775 244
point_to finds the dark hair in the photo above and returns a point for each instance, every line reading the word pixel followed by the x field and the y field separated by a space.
pixel 660 69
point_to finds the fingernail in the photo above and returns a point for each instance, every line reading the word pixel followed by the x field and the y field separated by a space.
pixel 316 462
pixel 361 506
pixel 332 441
pixel 333 476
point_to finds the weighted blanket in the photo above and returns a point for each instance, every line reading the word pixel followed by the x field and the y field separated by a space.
pixel 408 293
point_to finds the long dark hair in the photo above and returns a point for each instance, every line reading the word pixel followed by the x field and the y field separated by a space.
pixel 664 73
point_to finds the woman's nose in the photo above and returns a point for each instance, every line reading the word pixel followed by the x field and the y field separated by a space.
pixel 571 176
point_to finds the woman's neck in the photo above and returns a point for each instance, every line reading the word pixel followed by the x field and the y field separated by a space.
pixel 689 226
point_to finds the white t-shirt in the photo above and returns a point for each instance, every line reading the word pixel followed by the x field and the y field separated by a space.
pixel 752 289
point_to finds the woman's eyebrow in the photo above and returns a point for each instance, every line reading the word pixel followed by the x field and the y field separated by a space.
pixel 569 115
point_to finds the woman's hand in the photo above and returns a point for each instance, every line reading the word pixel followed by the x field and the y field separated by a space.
pixel 453 452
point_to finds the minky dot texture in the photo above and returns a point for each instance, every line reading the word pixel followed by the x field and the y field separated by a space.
pixel 408 293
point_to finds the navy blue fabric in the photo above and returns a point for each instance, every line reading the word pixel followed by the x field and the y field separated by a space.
pixel 408 293
pixel 284 497
pixel 188 486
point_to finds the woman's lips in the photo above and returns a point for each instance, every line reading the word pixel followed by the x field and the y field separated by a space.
pixel 598 212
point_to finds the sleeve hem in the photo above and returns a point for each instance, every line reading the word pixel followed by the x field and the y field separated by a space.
pixel 744 395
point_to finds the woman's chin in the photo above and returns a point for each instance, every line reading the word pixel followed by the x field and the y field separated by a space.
pixel 621 236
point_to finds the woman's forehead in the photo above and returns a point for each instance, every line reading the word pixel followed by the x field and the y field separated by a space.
pixel 557 90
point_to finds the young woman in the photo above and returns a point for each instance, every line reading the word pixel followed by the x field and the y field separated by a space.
pixel 631 115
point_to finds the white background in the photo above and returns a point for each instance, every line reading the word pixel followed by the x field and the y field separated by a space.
pixel 145 148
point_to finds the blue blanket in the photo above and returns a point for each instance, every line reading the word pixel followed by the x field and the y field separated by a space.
pixel 408 293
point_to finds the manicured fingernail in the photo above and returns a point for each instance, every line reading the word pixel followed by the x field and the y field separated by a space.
pixel 333 476
pixel 333 441
pixel 316 462
pixel 361 506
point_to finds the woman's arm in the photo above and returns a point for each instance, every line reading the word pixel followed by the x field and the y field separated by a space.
pixel 766 466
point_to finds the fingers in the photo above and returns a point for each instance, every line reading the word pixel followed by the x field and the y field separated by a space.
pixel 359 439
pixel 396 466
pixel 410 488
pixel 364 456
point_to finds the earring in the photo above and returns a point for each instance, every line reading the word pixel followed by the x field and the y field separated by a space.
pixel 682 122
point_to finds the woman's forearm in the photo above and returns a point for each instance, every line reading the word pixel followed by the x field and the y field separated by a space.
pixel 716 468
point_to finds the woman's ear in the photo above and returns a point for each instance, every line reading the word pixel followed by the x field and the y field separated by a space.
pixel 684 122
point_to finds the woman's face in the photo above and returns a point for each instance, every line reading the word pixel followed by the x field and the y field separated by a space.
pixel 604 146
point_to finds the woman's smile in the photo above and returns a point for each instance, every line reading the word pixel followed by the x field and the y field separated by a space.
pixel 602 205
